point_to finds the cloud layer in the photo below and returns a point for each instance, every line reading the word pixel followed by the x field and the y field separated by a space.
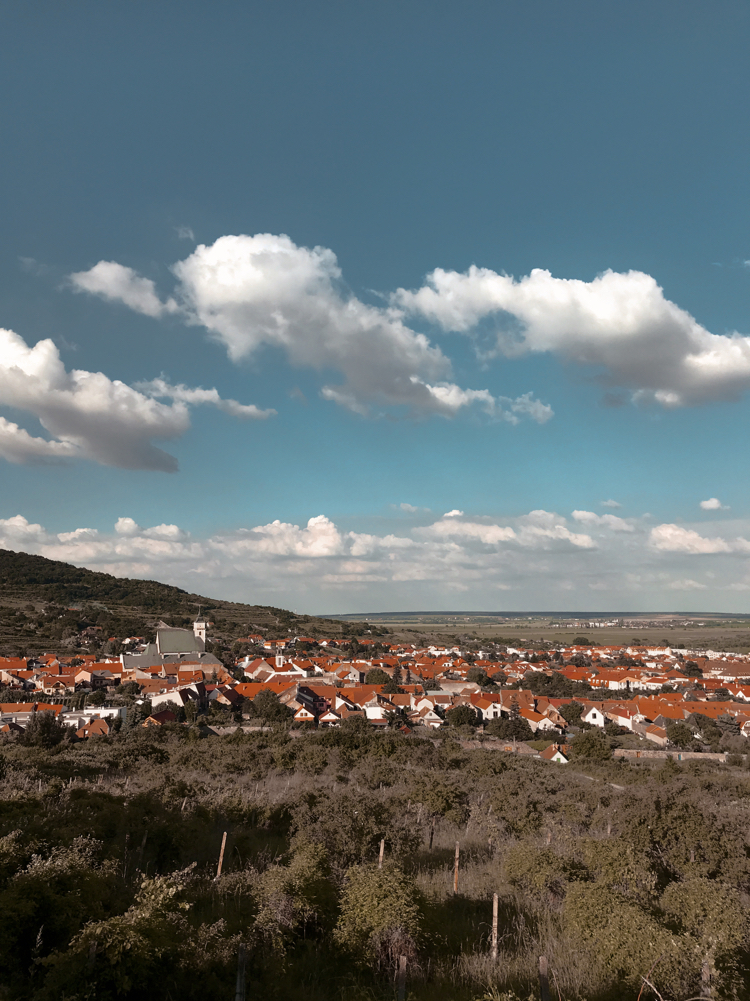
pixel 87 415
pixel 533 561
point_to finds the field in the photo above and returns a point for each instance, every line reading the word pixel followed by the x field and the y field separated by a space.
pixel 710 631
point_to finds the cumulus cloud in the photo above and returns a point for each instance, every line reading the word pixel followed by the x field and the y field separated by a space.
pixel 713 504
pixel 113 281
pixel 320 537
pixel 676 539
pixel 253 292
pixel 611 503
pixel 605 520
pixel 537 529
pixel 17 445
pixel 535 561
pixel 620 324
pixel 90 416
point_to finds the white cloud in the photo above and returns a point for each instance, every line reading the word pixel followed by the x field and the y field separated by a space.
pixel 185 233
pixel 251 292
pixel 455 513
pixel 184 394
pixel 537 529
pixel 620 324
pixel 535 561
pixel 319 538
pixel 540 528
pixel 675 539
pixel 113 281
pixel 713 504
pixel 17 445
pixel 611 503
pixel 90 416
pixel 605 520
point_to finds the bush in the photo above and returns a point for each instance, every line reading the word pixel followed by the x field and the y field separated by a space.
pixel 380 917
pixel 593 744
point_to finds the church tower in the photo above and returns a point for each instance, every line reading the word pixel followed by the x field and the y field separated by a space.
pixel 199 628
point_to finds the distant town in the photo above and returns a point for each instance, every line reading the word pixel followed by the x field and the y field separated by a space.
pixel 527 701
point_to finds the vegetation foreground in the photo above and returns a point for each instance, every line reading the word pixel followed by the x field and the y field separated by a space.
pixel 615 872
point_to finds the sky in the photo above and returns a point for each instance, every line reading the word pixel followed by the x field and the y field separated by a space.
pixel 350 307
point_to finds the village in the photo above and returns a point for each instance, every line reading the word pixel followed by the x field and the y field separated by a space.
pixel 517 700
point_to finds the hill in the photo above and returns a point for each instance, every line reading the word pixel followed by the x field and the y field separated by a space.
pixel 49 605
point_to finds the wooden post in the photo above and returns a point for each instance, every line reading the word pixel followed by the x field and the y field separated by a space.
pixel 455 870
pixel 543 979
pixel 221 854
pixel 494 927
pixel 432 832
pixel 706 979
pixel 401 978
pixel 239 994
pixel 382 849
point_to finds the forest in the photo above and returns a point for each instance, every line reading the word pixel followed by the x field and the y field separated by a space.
pixel 630 878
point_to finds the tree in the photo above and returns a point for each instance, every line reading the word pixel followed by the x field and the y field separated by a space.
pixel 393 684
pixel 97 698
pixel 270 709
pixel 515 726
pixel 397 718
pixel 592 745
pixel 691 669
pixel 463 715
pixel 44 730
pixel 571 713
pixel 680 735
pixel 376 676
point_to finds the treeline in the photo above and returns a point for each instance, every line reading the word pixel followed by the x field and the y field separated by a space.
pixel 615 872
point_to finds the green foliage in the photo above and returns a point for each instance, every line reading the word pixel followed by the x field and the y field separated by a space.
pixel 514 726
pixel 622 938
pixel 610 869
pixel 680 734
pixel 124 954
pixel 380 914
pixel 711 913
pixel 593 744
pixel 376 676
pixel 269 709
pixel 539 868
pixel 294 897
pixel 461 715
pixel 44 730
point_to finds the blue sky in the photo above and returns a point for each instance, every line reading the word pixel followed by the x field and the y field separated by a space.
pixel 422 258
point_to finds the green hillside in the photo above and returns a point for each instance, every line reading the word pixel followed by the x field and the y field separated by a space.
pixel 49 605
